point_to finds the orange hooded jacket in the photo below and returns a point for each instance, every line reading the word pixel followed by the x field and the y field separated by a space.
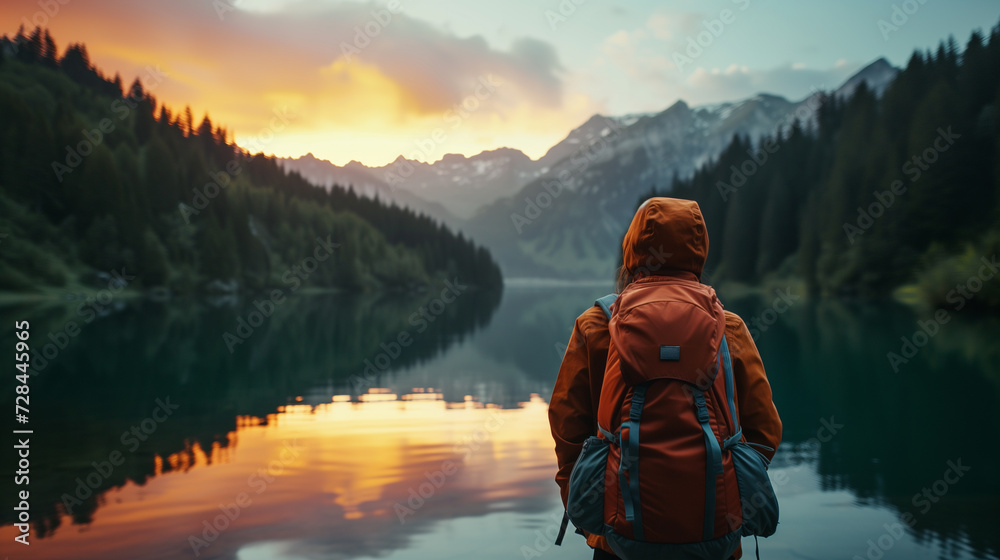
pixel 667 237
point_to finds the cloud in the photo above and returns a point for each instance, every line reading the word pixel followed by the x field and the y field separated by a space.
pixel 345 68
pixel 645 58
pixel 673 28
pixel 368 84
pixel 438 67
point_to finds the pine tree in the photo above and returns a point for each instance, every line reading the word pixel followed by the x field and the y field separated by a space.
pixel 187 125
pixel 50 55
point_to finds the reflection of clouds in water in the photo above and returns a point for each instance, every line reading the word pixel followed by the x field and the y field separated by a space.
pixel 336 499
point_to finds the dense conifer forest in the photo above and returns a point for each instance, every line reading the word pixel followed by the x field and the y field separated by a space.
pixel 880 192
pixel 96 177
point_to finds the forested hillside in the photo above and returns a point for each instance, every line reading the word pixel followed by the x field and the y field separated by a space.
pixel 881 192
pixel 95 177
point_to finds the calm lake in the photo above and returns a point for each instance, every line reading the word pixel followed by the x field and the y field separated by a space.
pixel 400 427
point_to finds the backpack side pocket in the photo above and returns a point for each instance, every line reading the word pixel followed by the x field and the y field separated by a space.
pixel 759 504
pixel 585 501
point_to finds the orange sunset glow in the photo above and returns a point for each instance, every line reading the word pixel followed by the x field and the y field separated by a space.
pixel 417 91
pixel 336 478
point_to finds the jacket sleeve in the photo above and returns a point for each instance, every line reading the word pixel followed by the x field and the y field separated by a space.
pixel 570 407
pixel 575 396
pixel 758 415
pixel 573 406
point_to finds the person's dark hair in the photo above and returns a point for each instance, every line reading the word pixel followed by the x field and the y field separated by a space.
pixel 623 279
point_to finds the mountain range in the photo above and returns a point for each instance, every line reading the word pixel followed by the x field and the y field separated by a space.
pixel 563 215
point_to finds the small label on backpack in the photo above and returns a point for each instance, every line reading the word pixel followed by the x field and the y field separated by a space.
pixel 670 353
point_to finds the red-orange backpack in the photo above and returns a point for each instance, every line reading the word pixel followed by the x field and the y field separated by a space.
pixel 669 475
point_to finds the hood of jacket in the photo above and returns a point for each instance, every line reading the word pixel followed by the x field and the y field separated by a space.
pixel 667 235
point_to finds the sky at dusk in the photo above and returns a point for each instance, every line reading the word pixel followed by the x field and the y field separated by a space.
pixel 421 78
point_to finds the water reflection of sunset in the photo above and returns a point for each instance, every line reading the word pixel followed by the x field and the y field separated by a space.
pixel 338 479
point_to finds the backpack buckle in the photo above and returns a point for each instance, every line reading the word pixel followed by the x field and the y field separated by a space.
pixel 699 402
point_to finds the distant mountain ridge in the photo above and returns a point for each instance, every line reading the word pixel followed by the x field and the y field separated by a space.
pixel 365 181
pixel 578 232
pixel 453 188
pixel 606 163
pixel 877 76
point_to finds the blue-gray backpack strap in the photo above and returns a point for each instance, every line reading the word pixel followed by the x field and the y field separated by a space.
pixel 605 304
pixel 727 365
pixel 562 528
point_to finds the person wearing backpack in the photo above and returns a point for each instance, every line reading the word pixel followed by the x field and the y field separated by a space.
pixel 662 414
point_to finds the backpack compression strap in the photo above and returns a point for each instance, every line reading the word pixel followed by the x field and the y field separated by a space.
pixel 562 528
pixel 605 304
pixel 730 397
pixel 728 366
